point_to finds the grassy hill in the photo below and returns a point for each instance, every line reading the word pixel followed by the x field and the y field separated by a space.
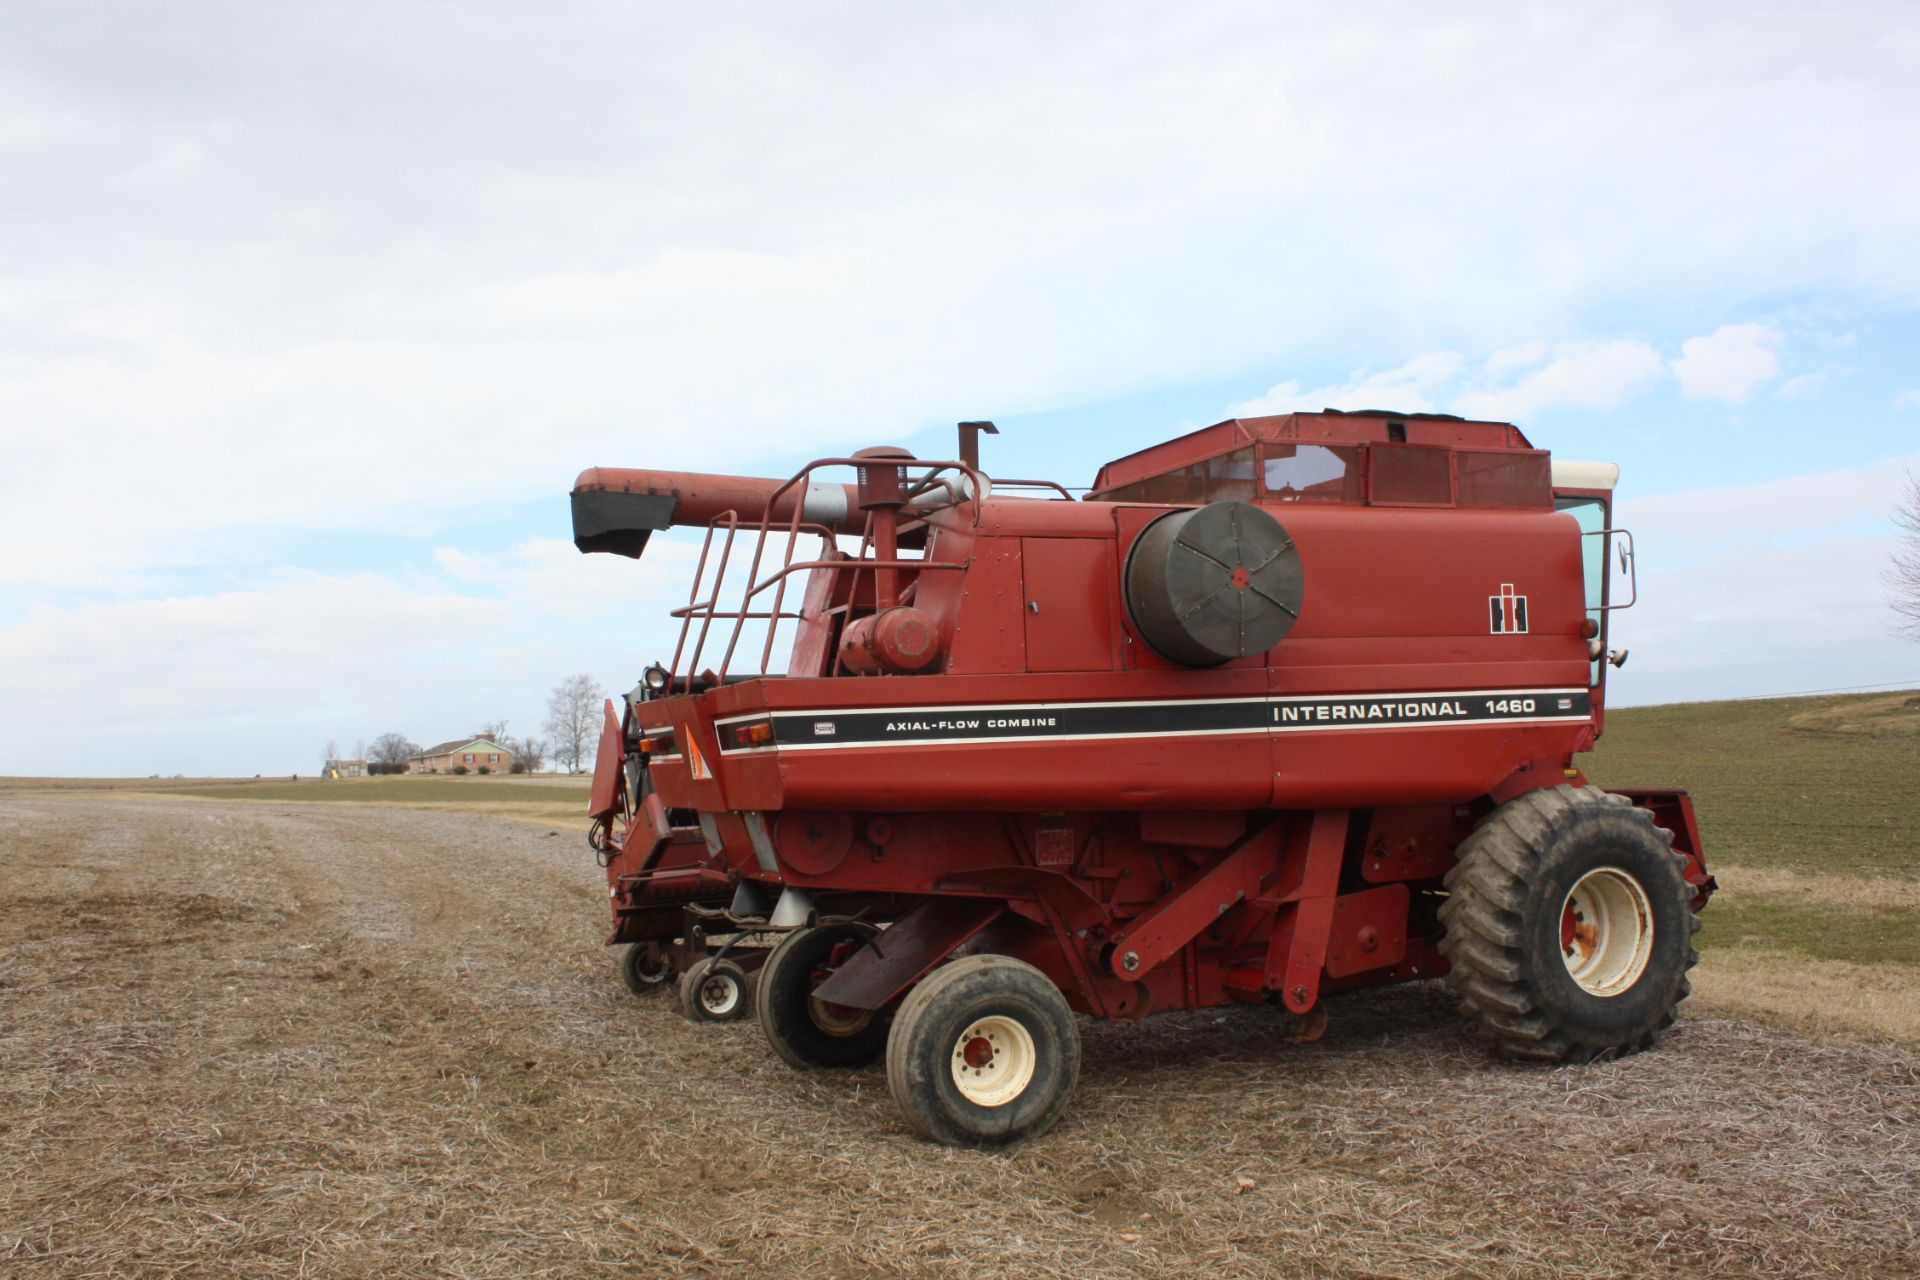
pixel 1805 784
pixel 1810 813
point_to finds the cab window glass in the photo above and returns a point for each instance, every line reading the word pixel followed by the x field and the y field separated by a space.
pixel 1229 476
pixel 1592 515
pixel 1311 473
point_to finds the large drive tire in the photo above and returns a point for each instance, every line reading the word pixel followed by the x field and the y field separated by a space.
pixel 809 1033
pixel 645 967
pixel 1568 926
pixel 715 990
pixel 983 1053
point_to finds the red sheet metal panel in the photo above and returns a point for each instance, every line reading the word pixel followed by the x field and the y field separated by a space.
pixel 1369 931
pixel 1069 606
pixel 604 798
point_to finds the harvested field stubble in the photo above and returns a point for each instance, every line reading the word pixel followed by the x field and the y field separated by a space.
pixel 339 1042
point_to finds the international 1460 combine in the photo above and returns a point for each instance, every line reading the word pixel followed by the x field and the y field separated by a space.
pixel 1282 708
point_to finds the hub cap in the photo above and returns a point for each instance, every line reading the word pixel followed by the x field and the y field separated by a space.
pixel 719 993
pixel 654 973
pixel 1606 931
pixel 837 1019
pixel 993 1061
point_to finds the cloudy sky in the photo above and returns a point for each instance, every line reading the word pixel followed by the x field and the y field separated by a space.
pixel 309 315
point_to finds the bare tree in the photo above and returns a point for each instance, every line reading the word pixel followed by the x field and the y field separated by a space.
pixel 392 749
pixel 1903 576
pixel 333 753
pixel 573 718
pixel 529 754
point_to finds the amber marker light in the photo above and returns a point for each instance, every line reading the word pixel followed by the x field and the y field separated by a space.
pixel 759 733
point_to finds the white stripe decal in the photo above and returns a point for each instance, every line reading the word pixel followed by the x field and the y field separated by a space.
pixel 848 728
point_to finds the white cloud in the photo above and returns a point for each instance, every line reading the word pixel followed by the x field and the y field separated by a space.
pixel 1729 363
pixel 1516 384
pixel 551 577
pixel 220 681
pixel 1794 619
pixel 1581 375
pixel 1755 519
pixel 1412 388
pixel 255 680
pixel 1802 386
pixel 1763 588
pixel 388 266
pixel 1907 400
pixel 390 263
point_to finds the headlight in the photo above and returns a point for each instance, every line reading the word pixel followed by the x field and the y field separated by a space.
pixel 655 678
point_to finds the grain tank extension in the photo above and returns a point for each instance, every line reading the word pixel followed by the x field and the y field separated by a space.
pixel 1282 708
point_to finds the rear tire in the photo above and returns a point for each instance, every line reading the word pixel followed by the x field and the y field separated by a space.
pixel 1568 926
pixel 983 1053
pixel 714 990
pixel 809 1033
pixel 645 967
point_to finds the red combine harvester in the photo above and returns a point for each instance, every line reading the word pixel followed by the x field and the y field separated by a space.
pixel 1283 708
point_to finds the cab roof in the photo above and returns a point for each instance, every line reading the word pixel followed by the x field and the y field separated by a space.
pixel 1328 426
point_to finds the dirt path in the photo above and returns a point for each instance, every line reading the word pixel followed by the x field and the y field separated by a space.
pixel 243 1041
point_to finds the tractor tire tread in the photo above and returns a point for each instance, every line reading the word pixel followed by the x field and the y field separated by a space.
pixel 917 1051
pixel 1483 918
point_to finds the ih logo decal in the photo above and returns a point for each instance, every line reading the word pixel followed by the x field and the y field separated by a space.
pixel 1507 612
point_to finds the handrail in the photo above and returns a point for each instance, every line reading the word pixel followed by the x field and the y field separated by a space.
pixel 966 487
pixel 699 574
pixel 1054 485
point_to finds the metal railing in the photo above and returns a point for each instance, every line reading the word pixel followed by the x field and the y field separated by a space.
pixel 959 483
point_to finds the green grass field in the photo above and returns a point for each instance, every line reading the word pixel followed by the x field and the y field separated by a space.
pixel 1806 784
pixel 1810 813
pixel 402 790
pixel 545 798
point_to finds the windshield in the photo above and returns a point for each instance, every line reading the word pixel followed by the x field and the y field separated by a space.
pixel 1592 515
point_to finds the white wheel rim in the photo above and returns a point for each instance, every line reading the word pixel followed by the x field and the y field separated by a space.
pixel 651 974
pixel 1606 931
pixel 838 1020
pixel 993 1061
pixel 719 994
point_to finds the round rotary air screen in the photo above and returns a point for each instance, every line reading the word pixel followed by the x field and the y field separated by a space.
pixel 1214 583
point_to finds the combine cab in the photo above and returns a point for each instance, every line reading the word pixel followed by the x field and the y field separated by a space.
pixel 1285 707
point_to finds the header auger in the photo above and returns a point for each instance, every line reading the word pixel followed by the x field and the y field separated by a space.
pixel 1283 708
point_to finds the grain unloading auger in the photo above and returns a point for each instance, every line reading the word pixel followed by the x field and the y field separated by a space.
pixel 1283 708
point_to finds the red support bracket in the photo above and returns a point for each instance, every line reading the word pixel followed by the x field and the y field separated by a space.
pixel 898 957
pixel 1297 955
pixel 1182 915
